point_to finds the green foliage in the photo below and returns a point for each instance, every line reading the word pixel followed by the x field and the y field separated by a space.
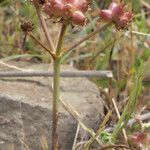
pixel 133 97
pixel 105 137
pixel 4 2
pixel 146 54
pixel 13 13
pixel 136 8
pixel 141 24
pixel 28 11
pixel 45 148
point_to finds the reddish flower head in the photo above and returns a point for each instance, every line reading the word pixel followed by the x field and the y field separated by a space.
pixel 116 14
pixel 73 10
pixel 124 20
pixel 116 9
pixel 141 139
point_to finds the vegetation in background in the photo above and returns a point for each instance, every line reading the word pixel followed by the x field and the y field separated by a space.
pixel 126 53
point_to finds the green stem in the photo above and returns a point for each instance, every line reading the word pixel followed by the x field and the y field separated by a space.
pixel 56 85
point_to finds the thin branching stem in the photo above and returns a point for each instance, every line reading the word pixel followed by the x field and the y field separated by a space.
pixel 42 45
pixel 23 42
pixel 56 86
pixel 111 90
pixel 86 38
pixel 44 26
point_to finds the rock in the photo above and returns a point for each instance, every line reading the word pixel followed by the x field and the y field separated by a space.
pixel 26 110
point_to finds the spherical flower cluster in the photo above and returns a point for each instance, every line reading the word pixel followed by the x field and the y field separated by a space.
pixel 27 26
pixel 73 10
pixel 116 14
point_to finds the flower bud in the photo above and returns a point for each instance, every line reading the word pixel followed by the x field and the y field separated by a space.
pixel 117 9
pixel 72 10
pixel 128 15
pixel 106 15
pixel 121 23
pixel 124 20
pixel 78 18
pixel 81 5
pixel 58 9
pixel 116 14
